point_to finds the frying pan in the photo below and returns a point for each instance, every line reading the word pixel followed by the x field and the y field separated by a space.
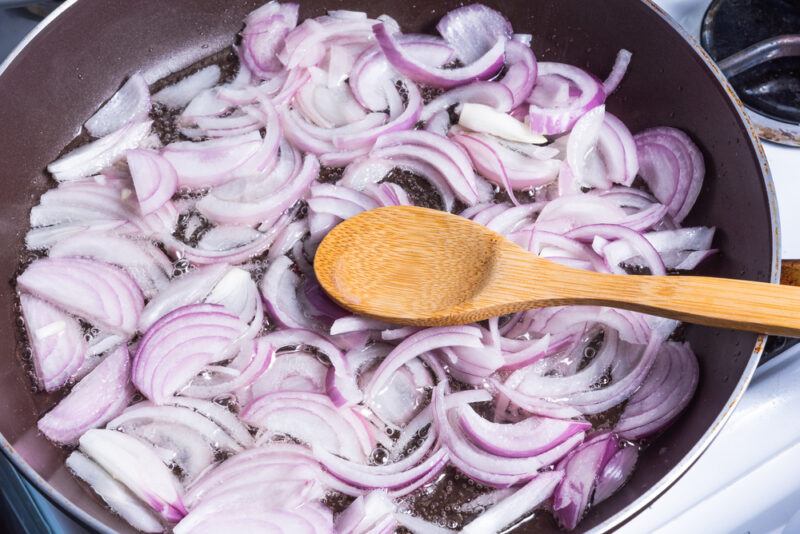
pixel 80 55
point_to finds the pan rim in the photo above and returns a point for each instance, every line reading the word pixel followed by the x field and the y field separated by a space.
pixel 639 504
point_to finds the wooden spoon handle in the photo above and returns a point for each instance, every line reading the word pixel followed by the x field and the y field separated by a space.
pixel 738 304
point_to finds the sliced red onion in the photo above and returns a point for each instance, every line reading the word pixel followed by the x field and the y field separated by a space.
pixel 585 163
pixel 507 511
pixel 58 348
pixel 209 163
pixel 373 512
pixel 492 94
pixel 264 33
pixel 521 71
pixel 484 119
pixel 484 67
pixel 98 292
pixel 142 260
pixel 114 494
pixel 177 447
pixel 128 105
pixel 413 346
pixel 179 94
pixel 105 392
pixel 472 30
pixel 279 289
pixel 306 45
pixel 218 414
pixel 535 405
pixel 260 359
pixel 371 477
pixel 663 395
pixel 180 344
pixel 565 213
pixel 370 72
pixel 505 166
pixel 528 437
pixel 311 418
pixel 265 204
pixel 674 246
pixel 232 244
pixel 444 156
pixel 189 288
pixel 404 395
pixel 618 71
pixel 438 124
pixel 97 155
pixel 581 469
pixel 673 168
pixel 135 465
pixel 615 473
pixel 341 87
pixel 549 118
pixel 183 418
pixel 290 371
pixel 478 464
pixel 642 246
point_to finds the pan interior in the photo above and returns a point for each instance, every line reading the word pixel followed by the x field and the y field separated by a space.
pixel 80 58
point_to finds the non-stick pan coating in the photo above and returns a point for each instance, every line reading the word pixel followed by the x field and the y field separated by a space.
pixel 80 58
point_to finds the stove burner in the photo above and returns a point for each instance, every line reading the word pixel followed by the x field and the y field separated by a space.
pixel 768 75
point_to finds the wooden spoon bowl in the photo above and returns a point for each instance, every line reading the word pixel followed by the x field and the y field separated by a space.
pixel 423 267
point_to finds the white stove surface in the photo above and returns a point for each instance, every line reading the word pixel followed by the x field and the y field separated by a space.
pixel 748 481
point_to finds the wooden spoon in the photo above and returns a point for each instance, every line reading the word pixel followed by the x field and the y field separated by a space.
pixel 422 267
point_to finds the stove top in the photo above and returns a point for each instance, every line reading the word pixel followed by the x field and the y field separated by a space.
pixel 757 45
pixel 744 482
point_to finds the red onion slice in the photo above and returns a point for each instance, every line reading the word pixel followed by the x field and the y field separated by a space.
pixel 615 473
pixel 135 465
pixel 58 348
pixel 142 260
pixel 482 68
pixel 189 288
pixel 516 505
pixel 105 391
pixel 176 446
pixel 264 33
pixel 180 344
pixel 581 469
pixel 493 94
pixel 97 155
pixel 618 71
pixel 311 418
pixel 98 292
pixel 266 206
pixel 181 93
pixel 279 289
pixel 178 417
pixel 472 30
pixel 661 398
pixel 445 157
pixel 528 437
pixel 128 105
pixel 419 343
pixel 521 71
pixel 114 494
pixel 209 163
pixel 549 119
pixel 154 178
pixel 673 168
pixel 260 359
